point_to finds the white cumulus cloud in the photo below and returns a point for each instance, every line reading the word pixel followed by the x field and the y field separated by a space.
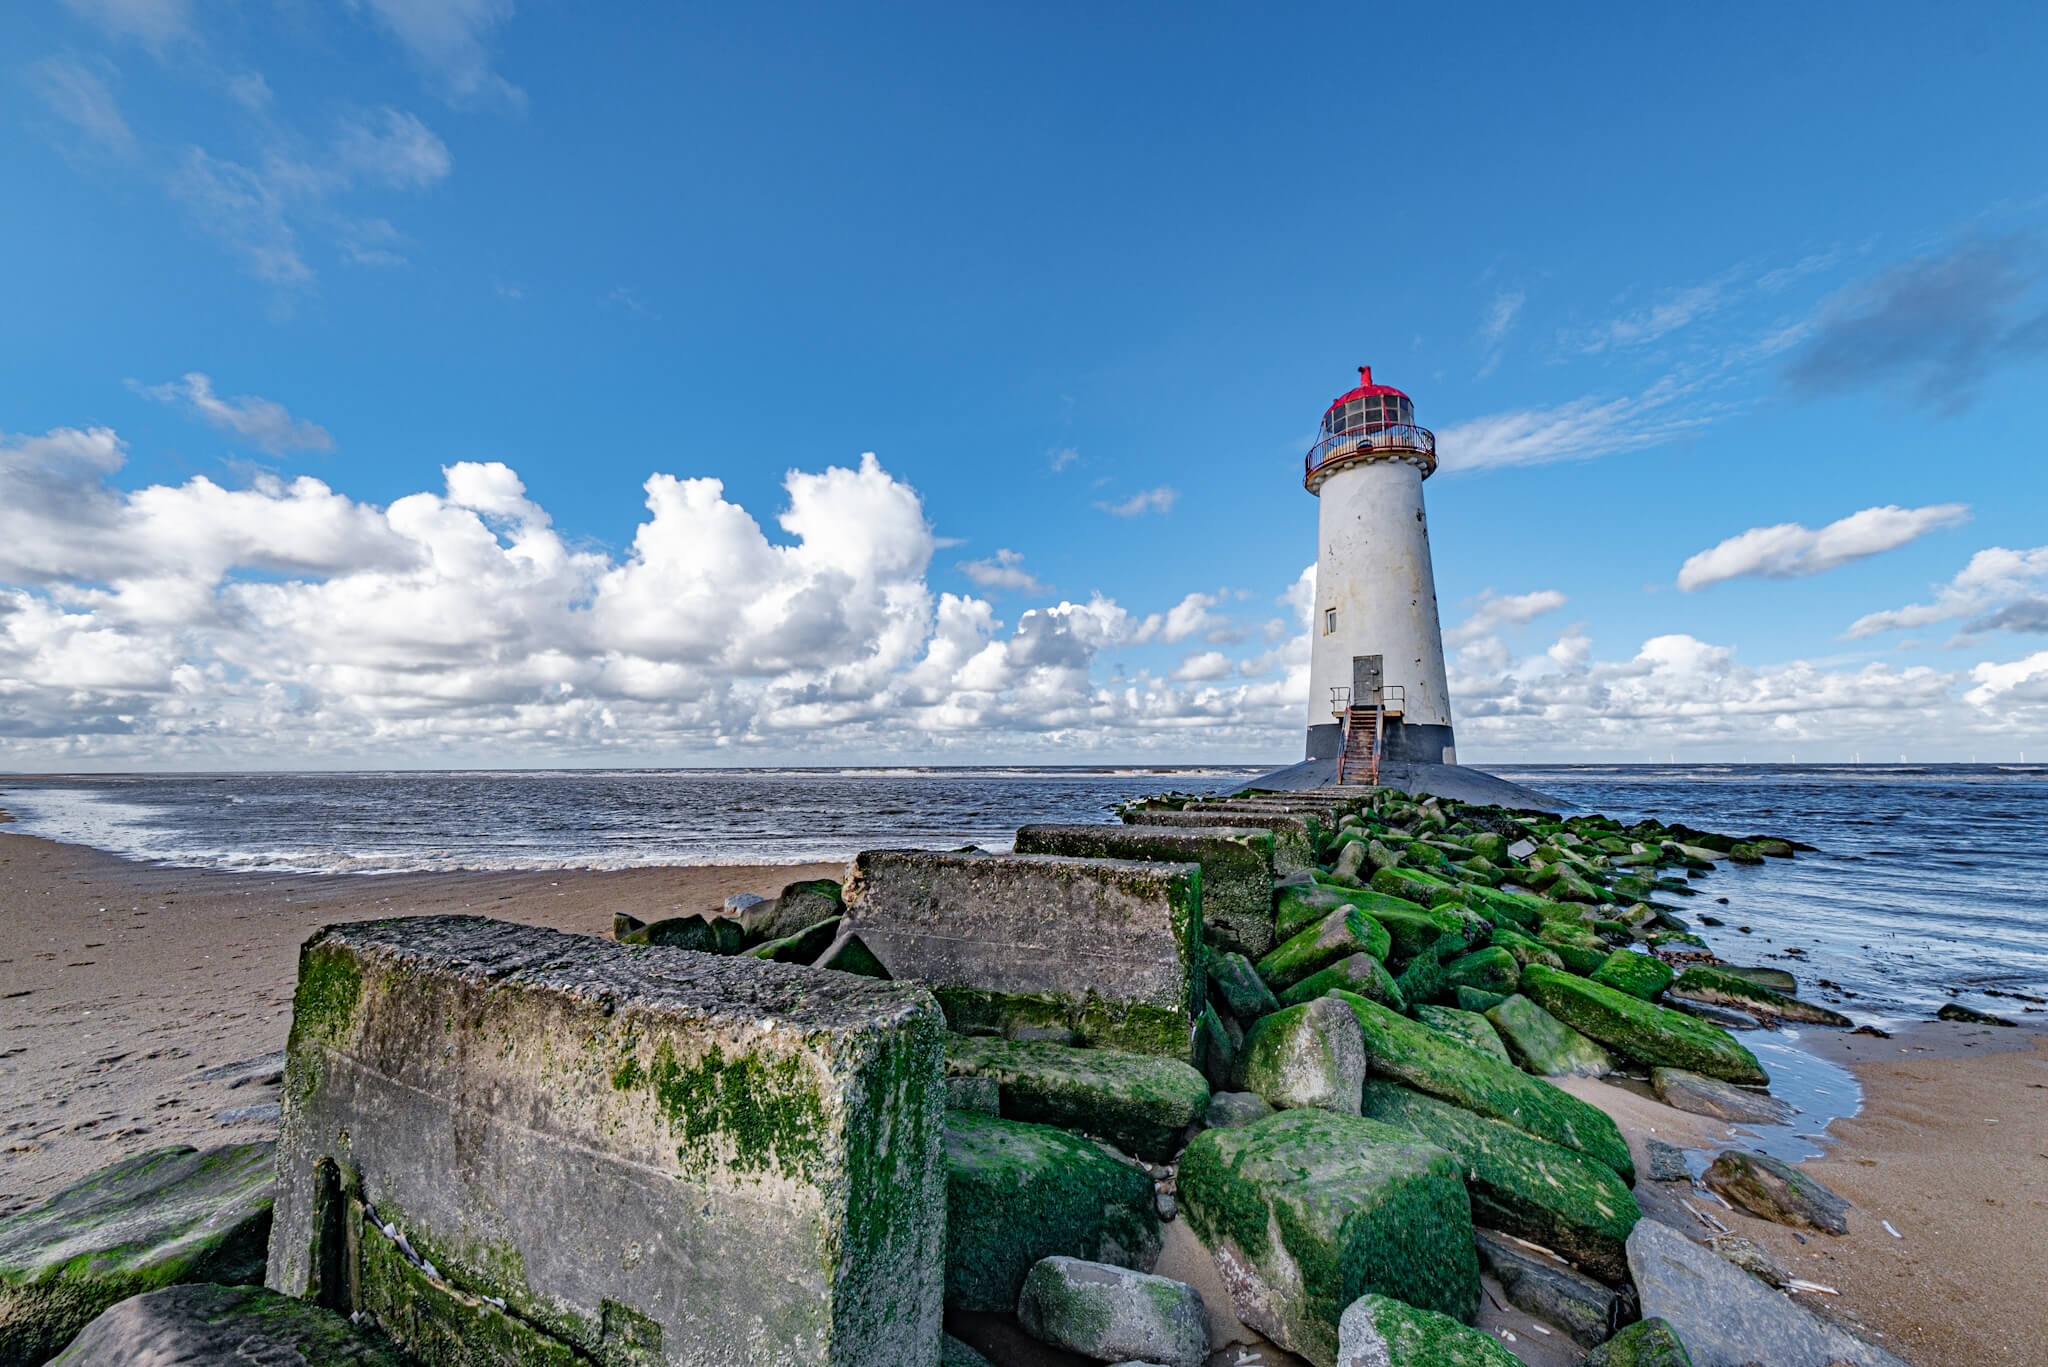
pixel 1788 550
pixel 1004 570
pixel 1992 576
pixel 1160 500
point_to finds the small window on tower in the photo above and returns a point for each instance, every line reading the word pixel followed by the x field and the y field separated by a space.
pixel 1329 621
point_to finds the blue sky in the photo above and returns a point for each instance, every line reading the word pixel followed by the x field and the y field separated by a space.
pixel 1084 286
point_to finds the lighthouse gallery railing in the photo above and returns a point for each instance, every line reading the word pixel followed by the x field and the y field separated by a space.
pixel 1400 436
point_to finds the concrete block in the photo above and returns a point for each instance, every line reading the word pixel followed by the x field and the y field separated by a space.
pixel 502 1144
pixel 1236 863
pixel 1108 948
pixel 1293 850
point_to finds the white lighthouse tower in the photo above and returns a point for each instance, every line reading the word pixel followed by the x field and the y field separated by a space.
pixel 1376 674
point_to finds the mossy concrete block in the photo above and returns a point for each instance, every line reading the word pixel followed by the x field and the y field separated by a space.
pixel 1380 1331
pixel 1339 935
pixel 1108 948
pixel 1544 1045
pixel 171 1215
pixel 1017 1192
pixel 1293 846
pixel 1641 1030
pixel 1309 1210
pixel 1490 970
pixel 1646 1343
pixel 1243 992
pixel 1112 1314
pixel 202 1325
pixel 804 947
pixel 1411 1053
pixel 1702 983
pixel 1141 1103
pixel 1642 976
pixel 1466 1027
pixel 1537 1190
pixel 1236 864
pixel 1360 973
pixel 614 1143
pixel 1307 1055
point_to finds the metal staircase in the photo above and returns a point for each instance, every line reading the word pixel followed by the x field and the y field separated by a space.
pixel 1365 732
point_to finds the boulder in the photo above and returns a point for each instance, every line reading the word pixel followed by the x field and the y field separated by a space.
pixel 1108 948
pixel 1751 1257
pixel 1227 1110
pixel 1470 999
pixel 1380 1331
pixel 706 935
pixel 1360 973
pixel 982 1094
pixel 1466 1027
pixel 848 953
pixel 1640 975
pixel 1350 859
pixel 1217 1046
pixel 1550 1290
pixel 1414 885
pixel 1016 1193
pixel 1410 1053
pixel 1309 1210
pixel 801 904
pixel 1544 1045
pixel 1702 983
pixel 1238 985
pixel 1307 1055
pixel 1727 1318
pixel 1654 1034
pixel 954 1353
pixel 1489 970
pixel 1954 1012
pixel 1687 1091
pixel 1236 864
pixel 1777 979
pixel 1141 1103
pixel 1775 1190
pixel 1339 935
pixel 1530 1188
pixel 170 1215
pixel 1646 1343
pixel 1111 1313
pixel 203 1325
pixel 804 947
pixel 1667 1162
pixel 1525 949
pixel 511 1106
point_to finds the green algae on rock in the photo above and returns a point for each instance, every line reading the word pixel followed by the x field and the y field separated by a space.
pixel 1242 991
pixel 1111 1313
pixel 686 1104
pixel 1141 1103
pixel 1630 1026
pixel 1017 1192
pixel 1642 976
pixel 1417 1056
pixel 1646 1343
pixel 1342 933
pixel 1523 1185
pixel 1307 1055
pixel 1544 1045
pixel 170 1215
pixel 204 1323
pixel 1489 970
pixel 1381 1331
pixel 1308 1210
pixel 1466 1027
pixel 1703 983
pixel 1360 973
pixel 804 947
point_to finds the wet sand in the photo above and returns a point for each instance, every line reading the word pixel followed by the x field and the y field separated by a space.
pixel 1950 1147
pixel 139 1005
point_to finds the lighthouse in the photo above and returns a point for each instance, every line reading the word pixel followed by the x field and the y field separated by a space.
pixel 1376 670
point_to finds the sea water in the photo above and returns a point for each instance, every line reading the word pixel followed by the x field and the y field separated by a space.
pixel 1930 883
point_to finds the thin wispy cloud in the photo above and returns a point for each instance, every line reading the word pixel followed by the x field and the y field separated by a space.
pixel 263 423
pixel 82 97
pixel 1060 457
pixel 449 43
pixel 1160 500
pixel 1788 550
pixel 153 23
pixel 1578 430
pixel 1003 571
pixel 1496 611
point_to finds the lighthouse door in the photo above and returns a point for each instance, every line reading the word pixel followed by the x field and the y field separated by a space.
pixel 1367 673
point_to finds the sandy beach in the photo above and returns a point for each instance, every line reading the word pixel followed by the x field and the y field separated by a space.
pixel 140 1005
